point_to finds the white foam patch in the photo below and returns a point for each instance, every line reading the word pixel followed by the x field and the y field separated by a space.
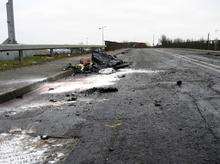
pixel 17 81
pixel 81 84
pixel 21 148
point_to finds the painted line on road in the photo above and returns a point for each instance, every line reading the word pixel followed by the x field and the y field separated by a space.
pixel 194 61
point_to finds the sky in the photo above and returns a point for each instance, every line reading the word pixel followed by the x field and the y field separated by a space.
pixel 76 21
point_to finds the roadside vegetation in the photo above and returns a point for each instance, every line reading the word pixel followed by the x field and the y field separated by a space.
pixel 166 42
pixel 6 65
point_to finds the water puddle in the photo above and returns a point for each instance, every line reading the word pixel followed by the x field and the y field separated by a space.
pixel 85 83
pixel 20 148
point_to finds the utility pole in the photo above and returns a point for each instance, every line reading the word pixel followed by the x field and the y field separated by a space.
pixel 153 39
pixel 208 40
pixel 216 40
pixel 87 41
pixel 11 26
pixel 103 34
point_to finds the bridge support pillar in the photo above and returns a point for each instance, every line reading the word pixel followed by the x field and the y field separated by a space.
pixel 71 51
pixel 20 52
pixel 51 52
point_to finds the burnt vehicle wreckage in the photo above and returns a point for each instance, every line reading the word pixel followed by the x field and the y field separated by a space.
pixel 99 61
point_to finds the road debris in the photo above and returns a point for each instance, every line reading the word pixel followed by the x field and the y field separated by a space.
pixel 102 60
pixel 121 76
pixel 100 90
pixel 157 103
pixel 19 97
pixel 69 66
pixel 44 137
pixel 52 100
pixel 179 83
pixel 86 61
pixel 19 147
pixel 51 89
pixel 107 71
pixel 79 68
pixel 77 114
pixel 111 149
pixel 72 97
pixel 98 62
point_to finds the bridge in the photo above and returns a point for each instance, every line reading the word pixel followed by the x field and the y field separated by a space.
pixel 22 47
pixel 10 44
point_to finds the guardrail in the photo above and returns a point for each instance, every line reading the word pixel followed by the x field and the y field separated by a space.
pixel 22 47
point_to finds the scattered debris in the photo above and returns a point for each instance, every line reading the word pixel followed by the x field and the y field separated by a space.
pixel 102 60
pixel 86 61
pixel 20 147
pixel 72 97
pixel 19 97
pixel 44 137
pixel 111 149
pixel 121 76
pixel 51 89
pixel 52 100
pixel 157 103
pixel 107 71
pixel 179 83
pixel 69 66
pixel 78 68
pixel 96 63
pixel 9 114
pixel 15 131
pixel 77 114
pixel 101 90
pixel 72 104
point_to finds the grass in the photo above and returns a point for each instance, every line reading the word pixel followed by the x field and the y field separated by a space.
pixel 7 65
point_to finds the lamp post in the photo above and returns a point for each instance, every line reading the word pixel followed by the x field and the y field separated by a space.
pixel 153 39
pixel 103 34
pixel 87 41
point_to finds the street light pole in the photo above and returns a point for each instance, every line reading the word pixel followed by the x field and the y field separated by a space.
pixel 153 39
pixel 103 34
pixel 87 41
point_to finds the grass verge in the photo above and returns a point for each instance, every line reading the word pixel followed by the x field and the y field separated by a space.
pixel 7 65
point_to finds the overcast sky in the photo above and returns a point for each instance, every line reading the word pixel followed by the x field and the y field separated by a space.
pixel 72 21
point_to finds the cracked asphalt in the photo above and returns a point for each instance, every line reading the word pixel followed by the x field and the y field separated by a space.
pixel 149 120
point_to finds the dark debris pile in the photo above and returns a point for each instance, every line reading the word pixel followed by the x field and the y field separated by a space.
pixel 98 61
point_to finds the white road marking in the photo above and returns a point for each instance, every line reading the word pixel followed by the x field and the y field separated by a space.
pixel 194 61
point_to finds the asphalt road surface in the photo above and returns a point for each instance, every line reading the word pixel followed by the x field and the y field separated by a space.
pixel 150 119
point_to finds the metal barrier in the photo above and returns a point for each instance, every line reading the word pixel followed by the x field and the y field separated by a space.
pixel 22 47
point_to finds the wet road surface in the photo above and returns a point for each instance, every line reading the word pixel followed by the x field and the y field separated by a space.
pixel 149 120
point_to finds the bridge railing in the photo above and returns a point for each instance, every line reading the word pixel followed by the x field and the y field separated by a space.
pixel 22 47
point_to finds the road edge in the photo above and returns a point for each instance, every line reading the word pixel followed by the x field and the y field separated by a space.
pixel 19 92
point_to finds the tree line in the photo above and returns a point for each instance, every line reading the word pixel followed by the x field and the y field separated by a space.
pixel 165 42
